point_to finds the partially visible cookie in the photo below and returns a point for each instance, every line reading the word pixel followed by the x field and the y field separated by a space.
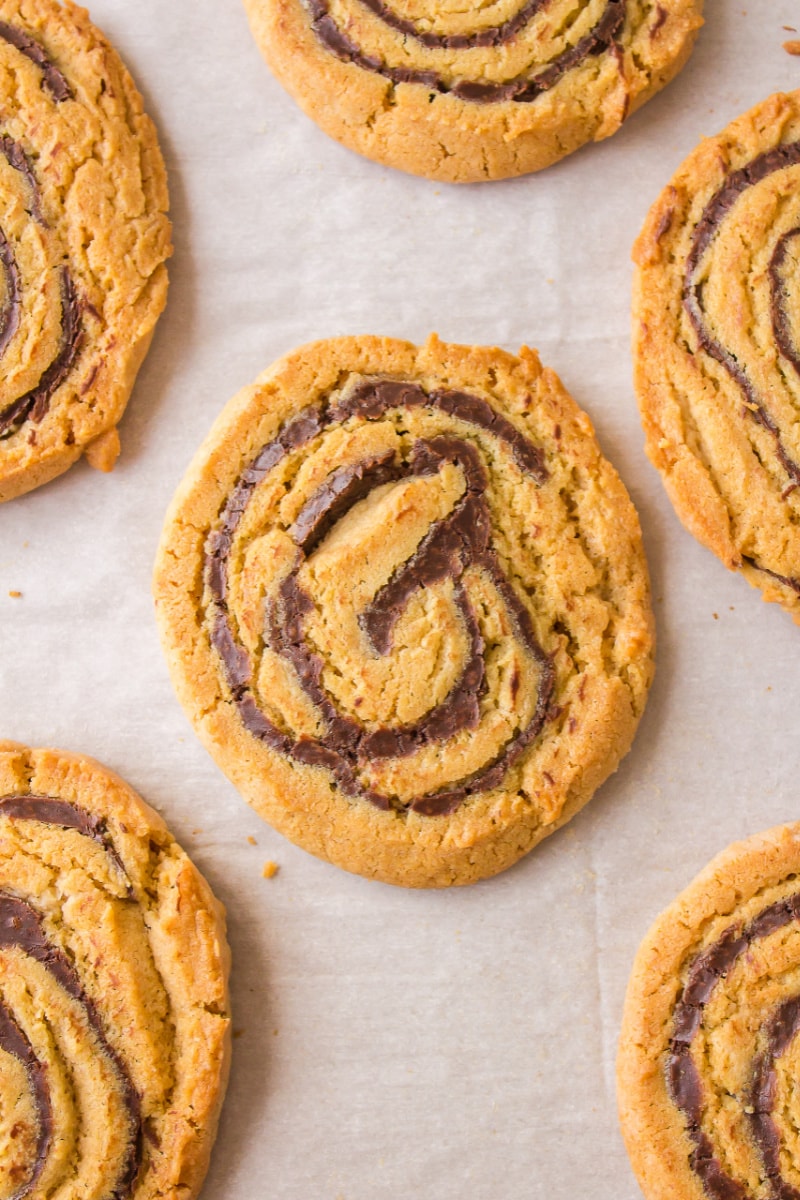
pixel 405 605
pixel 717 344
pixel 464 93
pixel 114 1026
pixel 709 1055
pixel 84 236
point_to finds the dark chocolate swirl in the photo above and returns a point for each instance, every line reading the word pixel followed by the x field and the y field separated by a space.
pixel 684 1079
pixel 522 89
pixel 454 544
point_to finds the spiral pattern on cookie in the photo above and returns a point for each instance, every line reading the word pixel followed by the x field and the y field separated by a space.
pixel 719 257
pixel 584 32
pixel 83 240
pixel 472 93
pixel 113 1011
pixel 366 592
pixel 444 477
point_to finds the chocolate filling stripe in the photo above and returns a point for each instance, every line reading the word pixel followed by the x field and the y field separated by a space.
pixel 52 77
pixel 49 811
pixel 9 318
pixel 451 545
pixel 16 157
pixel 684 1082
pixel 522 89
pixel 14 1042
pixel 34 404
pixel 21 928
pixel 491 36
pixel 779 299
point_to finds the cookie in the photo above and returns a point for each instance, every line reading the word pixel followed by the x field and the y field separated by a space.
pixel 463 94
pixel 405 605
pixel 83 242
pixel 708 1060
pixel 114 1020
pixel 717 345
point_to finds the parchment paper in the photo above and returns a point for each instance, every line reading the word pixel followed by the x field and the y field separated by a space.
pixel 390 1043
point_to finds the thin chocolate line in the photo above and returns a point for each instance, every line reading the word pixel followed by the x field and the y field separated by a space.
pixel 447 550
pixel 34 404
pixel 779 300
pixel 21 928
pixel 52 77
pixel 9 319
pixel 14 1042
pixel 523 89
pixel 16 157
pixel 684 1082
pixel 491 36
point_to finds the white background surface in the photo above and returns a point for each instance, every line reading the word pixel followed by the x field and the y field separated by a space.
pixel 395 1044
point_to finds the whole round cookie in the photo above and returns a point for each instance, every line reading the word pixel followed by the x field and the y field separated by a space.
pixel 83 240
pixel 114 1039
pixel 710 1044
pixel 717 345
pixel 405 605
pixel 464 93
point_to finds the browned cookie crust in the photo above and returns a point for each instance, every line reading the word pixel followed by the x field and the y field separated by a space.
pixel 405 605
pixel 114 1026
pixel 717 344
pixel 83 241
pixel 708 1061
pixel 468 94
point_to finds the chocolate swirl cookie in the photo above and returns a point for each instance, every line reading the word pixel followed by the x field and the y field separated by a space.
pixel 404 602
pixel 464 93
pixel 113 990
pixel 83 240
pixel 708 1061
pixel 717 345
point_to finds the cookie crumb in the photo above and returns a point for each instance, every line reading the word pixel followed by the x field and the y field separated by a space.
pixel 715 616
pixel 270 869
pixel 15 595
pixel 252 841
pixel 237 1033
pixel 792 47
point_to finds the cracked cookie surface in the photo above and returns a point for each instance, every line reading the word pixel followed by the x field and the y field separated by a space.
pixel 708 1061
pixel 468 93
pixel 114 1038
pixel 717 345
pixel 83 242
pixel 404 602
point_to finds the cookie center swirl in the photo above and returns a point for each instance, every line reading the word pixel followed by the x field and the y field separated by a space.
pixel 433 575
pixel 522 88
pixel 22 930
pixel 776 1034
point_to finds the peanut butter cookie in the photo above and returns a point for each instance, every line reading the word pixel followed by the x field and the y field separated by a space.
pixel 83 241
pixel 405 605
